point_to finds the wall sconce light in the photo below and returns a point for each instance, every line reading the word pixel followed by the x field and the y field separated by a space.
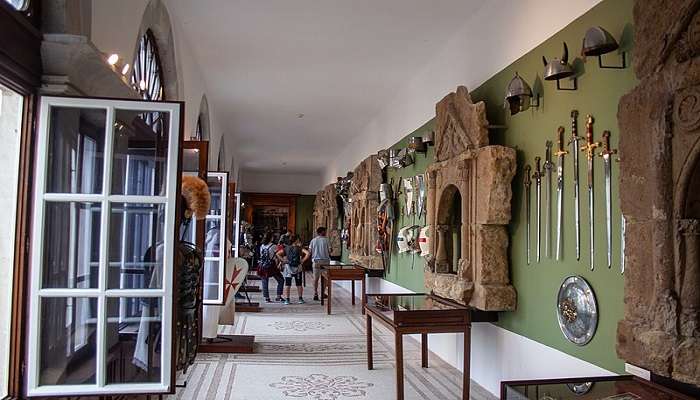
pixel 429 138
pixel 597 42
pixel 519 95
pixel 125 69
pixel 557 69
pixel 113 59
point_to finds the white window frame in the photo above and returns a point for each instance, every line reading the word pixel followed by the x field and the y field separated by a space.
pixel 237 223
pixel 101 293
pixel 219 215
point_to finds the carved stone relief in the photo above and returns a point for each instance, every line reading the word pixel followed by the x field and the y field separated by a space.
pixel 364 193
pixel 326 214
pixel 660 193
pixel 469 195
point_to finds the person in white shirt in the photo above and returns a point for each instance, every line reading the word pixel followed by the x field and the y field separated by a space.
pixel 320 255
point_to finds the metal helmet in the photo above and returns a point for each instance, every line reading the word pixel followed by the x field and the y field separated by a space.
pixel 598 41
pixel 401 240
pixel 394 158
pixel 558 69
pixel 429 138
pixel 518 95
pixel 383 158
pixel 405 158
pixel 424 241
pixel 416 143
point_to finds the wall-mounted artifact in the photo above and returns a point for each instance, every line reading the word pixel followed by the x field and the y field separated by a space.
pixel 548 165
pixel 577 310
pixel 468 208
pixel 429 138
pixel 342 189
pixel 402 240
pixel 659 179
pixel 519 96
pixel 580 388
pixel 395 158
pixel 597 42
pixel 557 69
pixel 537 176
pixel 416 144
pixel 385 221
pixel 327 214
pixel 589 149
pixel 407 239
pixel 409 194
pixel 405 158
pixel 574 143
pixel 424 241
pixel 383 158
pixel 560 154
pixel 421 192
pixel 364 195
pixel 607 154
pixel 527 182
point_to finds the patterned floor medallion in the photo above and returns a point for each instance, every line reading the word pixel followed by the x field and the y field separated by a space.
pixel 299 326
pixel 322 387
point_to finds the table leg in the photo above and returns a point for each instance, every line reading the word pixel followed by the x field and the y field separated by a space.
pixel 424 350
pixel 370 356
pixel 364 296
pixel 352 282
pixel 330 291
pixel 466 375
pixel 323 288
pixel 398 339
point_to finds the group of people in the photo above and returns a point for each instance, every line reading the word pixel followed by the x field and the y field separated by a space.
pixel 284 262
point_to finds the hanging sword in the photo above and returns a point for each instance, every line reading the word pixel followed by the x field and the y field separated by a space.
pixel 560 153
pixel 548 208
pixel 538 200
pixel 589 149
pixel 577 203
pixel 607 167
pixel 527 182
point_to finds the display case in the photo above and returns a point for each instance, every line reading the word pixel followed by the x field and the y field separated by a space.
pixel 588 388
pixel 215 238
pixel 195 161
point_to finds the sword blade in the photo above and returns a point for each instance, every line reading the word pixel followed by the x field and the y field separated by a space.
pixel 577 202
pixel 527 214
pixel 548 216
pixel 608 206
pixel 538 196
pixel 591 215
pixel 623 228
pixel 560 199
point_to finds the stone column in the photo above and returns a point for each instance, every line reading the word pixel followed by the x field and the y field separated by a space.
pixel 689 230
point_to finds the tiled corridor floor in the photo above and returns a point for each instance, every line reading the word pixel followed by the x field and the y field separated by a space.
pixel 304 354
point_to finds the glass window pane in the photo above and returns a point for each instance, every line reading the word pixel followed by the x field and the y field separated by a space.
pixel 212 239
pixel 190 160
pixel 211 279
pixel 71 251
pixel 136 246
pixel 215 189
pixel 76 150
pixel 140 158
pixel 133 340
pixel 19 5
pixel 67 347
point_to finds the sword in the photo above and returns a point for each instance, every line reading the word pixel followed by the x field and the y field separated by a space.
pixel 577 203
pixel 527 182
pixel 607 166
pixel 560 153
pixel 589 149
pixel 548 211
pixel 623 228
pixel 538 199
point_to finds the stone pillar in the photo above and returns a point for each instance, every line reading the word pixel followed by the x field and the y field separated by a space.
pixel 689 230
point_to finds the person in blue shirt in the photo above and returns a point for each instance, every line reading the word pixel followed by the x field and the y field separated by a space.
pixel 320 255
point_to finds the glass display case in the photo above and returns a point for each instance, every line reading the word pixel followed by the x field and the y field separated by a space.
pixel 215 239
pixel 195 161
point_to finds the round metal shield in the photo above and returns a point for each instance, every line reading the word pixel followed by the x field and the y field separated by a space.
pixel 580 388
pixel 577 310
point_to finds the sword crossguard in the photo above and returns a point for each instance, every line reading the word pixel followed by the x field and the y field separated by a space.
pixel 560 143
pixel 526 179
pixel 606 145
pixel 591 145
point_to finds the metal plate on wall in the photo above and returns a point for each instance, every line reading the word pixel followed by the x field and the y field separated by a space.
pixel 577 310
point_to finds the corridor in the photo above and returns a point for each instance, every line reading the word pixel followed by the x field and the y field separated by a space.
pixel 303 353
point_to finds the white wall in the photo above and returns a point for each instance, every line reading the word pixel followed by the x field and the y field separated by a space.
pixel 257 182
pixel 498 34
pixel 115 28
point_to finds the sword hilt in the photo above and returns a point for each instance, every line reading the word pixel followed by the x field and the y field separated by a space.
pixel 606 145
pixel 560 143
pixel 538 169
pixel 574 127
pixel 590 146
pixel 548 155
pixel 526 179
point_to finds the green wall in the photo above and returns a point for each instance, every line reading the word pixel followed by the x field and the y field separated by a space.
pixel 537 284
pixel 305 216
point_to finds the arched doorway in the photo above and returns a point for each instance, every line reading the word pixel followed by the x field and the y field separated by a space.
pixel 449 231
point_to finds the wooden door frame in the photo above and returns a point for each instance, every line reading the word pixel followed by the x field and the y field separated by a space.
pixel 254 200
pixel 20 70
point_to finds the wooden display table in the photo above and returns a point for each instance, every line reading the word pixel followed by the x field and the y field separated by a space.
pixel 424 314
pixel 336 271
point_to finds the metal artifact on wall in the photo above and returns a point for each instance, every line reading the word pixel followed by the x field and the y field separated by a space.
pixel 468 208
pixel 364 194
pixel 660 193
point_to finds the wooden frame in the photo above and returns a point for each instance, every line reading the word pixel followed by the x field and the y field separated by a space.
pixel 254 200
pixel 171 201
pixel 202 148
pixel 221 258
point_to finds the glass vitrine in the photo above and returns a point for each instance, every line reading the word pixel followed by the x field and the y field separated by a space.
pixel 103 235
pixel 215 240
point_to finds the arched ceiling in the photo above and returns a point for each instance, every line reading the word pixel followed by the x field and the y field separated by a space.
pixel 294 81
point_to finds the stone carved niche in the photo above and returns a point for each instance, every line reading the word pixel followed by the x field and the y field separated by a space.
pixel 660 193
pixel 364 193
pixel 469 195
pixel 326 214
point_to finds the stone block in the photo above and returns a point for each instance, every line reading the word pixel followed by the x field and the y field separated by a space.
pixel 495 169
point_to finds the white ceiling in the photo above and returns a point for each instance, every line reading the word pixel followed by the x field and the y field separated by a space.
pixel 337 62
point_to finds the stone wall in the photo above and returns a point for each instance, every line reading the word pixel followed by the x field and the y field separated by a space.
pixel 466 167
pixel 660 192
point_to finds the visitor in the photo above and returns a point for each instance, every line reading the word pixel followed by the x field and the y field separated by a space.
pixel 285 238
pixel 267 268
pixel 320 255
pixel 292 257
